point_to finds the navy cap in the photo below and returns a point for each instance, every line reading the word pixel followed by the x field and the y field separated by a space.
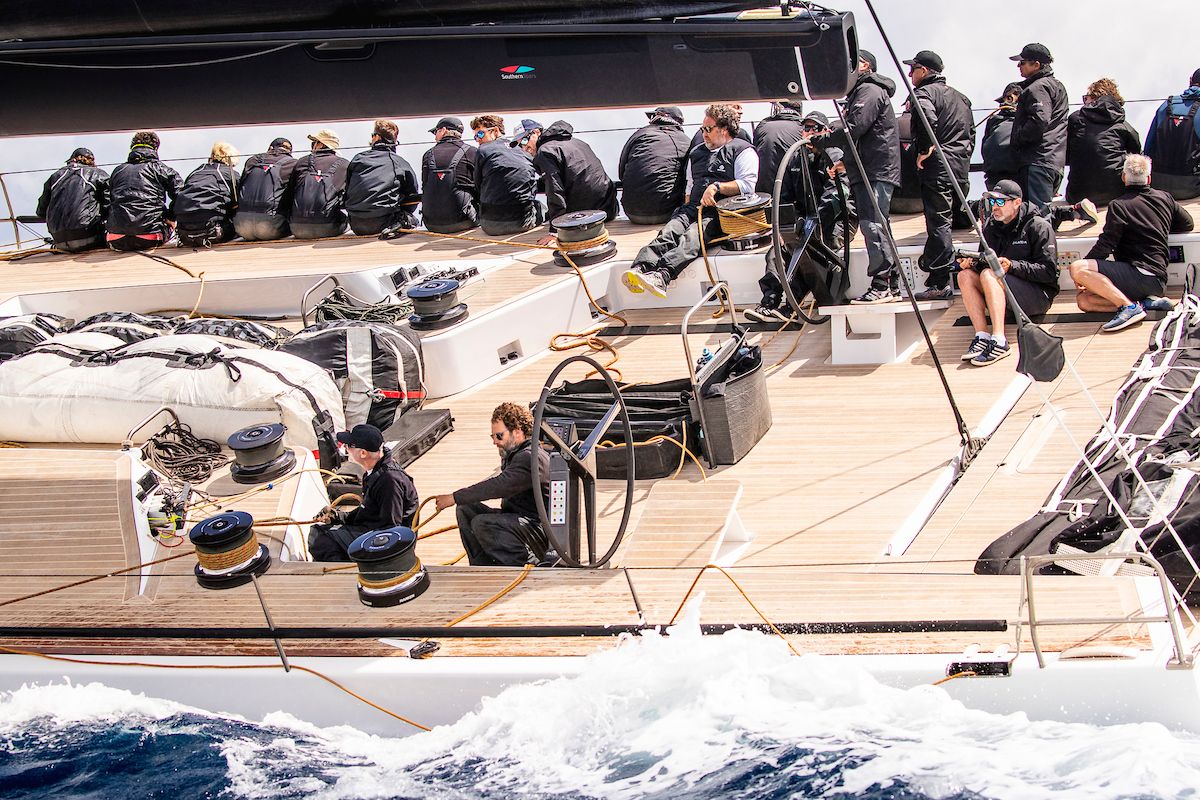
pixel 671 112
pixel 526 127
pixel 82 151
pixel 869 57
pixel 1005 190
pixel 367 437
pixel 928 59
pixel 1015 86
pixel 1034 51
pixel 817 117
pixel 1196 78
pixel 449 123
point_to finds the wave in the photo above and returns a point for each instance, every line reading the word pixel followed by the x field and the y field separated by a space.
pixel 685 716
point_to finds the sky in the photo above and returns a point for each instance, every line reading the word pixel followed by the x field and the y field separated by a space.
pixel 1143 46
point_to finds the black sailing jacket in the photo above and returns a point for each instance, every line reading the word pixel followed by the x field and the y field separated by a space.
pixel 265 184
pixel 1039 135
pixel 74 202
pixel 1098 139
pixel 573 176
pixel 872 124
pixel 652 169
pixel 143 193
pixel 378 181
pixel 208 195
pixel 319 188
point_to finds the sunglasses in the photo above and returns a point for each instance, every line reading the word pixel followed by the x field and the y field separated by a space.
pixel 482 132
pixel 996 202
pixel 499 436
pixel 523 141
pixel 708 128
pixel 810 126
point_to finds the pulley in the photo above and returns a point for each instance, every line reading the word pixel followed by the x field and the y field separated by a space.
pixel 436 305
pixel 389 572
pixel 743 219
pixel 582 236
pixel 259 454
pixel 228 551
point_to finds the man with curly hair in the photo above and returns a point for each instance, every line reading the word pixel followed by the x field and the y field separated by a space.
pixel 512 535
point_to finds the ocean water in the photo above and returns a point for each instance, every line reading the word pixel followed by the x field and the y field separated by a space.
pixel 673 717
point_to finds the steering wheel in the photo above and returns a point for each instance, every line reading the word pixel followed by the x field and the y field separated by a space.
pixel 581 463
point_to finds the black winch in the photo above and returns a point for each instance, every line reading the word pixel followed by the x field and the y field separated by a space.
pixel 259 454
pixel 582 236
pixel 228 551
pixel 436 305
pixel 744 220
pixel 389 572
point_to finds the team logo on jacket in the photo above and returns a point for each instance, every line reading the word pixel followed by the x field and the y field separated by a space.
pixel 516 72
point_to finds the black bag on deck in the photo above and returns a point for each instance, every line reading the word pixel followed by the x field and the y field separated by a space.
pixel 127 326
pixel 417 432
pixel 259 334
pixel 19 335
pixel 733 393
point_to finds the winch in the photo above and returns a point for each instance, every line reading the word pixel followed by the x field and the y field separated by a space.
pixel 389 572
pixel 744 220
pixel 259 454
pixel 582 236
pixel 228 551
pixel 436 305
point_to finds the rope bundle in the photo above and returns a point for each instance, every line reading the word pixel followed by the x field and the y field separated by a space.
pixel 735 224
pixel 182 455
pixel 338 306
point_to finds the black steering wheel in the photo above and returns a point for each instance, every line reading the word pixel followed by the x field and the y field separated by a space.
pixel 580 459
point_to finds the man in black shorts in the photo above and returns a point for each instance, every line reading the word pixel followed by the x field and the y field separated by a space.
pixel 1135 235
pixel 1024 242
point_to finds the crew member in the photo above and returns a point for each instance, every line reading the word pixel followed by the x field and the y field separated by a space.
pixel 512 535
pixel 772 137
pixel 572 175
pixel 318 189
pixel 449 194
pixel 389 497
pixel 1023 240
pixel 1098 139
pixel 1135 235
pixel 381 186
pixel 999 163
pixel 74 203
pixel 206 204
pixel 949 113
pixel 143 189
pixel 1173 142
pixel 1039 132
pixel 508 181
pixel 723 167
pixel 741 133
pixel 653 168
pixel 264 194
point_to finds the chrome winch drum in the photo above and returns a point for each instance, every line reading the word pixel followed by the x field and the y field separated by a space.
pixel 744 234
pixel 436 305
pixel 227 551
pixel 582 236
pixel 259 454
pixel 389 572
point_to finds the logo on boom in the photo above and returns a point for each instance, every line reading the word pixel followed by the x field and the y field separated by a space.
pixel 516 72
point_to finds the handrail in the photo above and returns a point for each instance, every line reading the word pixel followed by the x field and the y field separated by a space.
pixel 128 443
pixel 311 289
pixel 12 217
pixel 721 290
pixel 1182 658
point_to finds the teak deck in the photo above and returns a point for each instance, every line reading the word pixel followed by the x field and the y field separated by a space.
pixel 851 451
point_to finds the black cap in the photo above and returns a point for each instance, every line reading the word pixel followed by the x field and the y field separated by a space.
pixel 282 143
pixel 1005 190
pixel 928 59
pixel 449 123
pixel 671 112
pixel 82 152
pixel 1015 86
pixel 818 117
pixel 1195 78
pixel 869 57
pixel 1034 51
pixel 368 437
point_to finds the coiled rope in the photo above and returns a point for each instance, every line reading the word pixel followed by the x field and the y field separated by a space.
pixel 178 453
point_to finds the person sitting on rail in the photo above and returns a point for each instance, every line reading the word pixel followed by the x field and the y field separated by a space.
pixel 1173 142
pixel 572 175
pixel 264 194
pixel 508 181
pixel 1098 139
pixel 725 166
pixel 389 497
pixel 1023 240
pixel 318 189
pixel 74 203
pixel 381 186
pixel 449 192
pixel 143 190
pixel 1135 235
pixel 652 168
pixel 739 132
pixel 206 204
pixel 512 535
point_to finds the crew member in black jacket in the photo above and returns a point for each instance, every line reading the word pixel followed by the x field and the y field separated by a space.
pixel 872 126
pixel 508 181
pixel 1039 133
pixel 389 497
pixel 1098 139
pixel 381 186
pixel 143 189
pixel 1023 239
pixel 772 137
pixel 205 205
pixel 449 193
pixel 74 203
pixel 999 163
pixel 949 112
pixel 265 195
pixel 572 175
pixel 512 535
pixel 1135 235
pixel 318 189
pixel 652 168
